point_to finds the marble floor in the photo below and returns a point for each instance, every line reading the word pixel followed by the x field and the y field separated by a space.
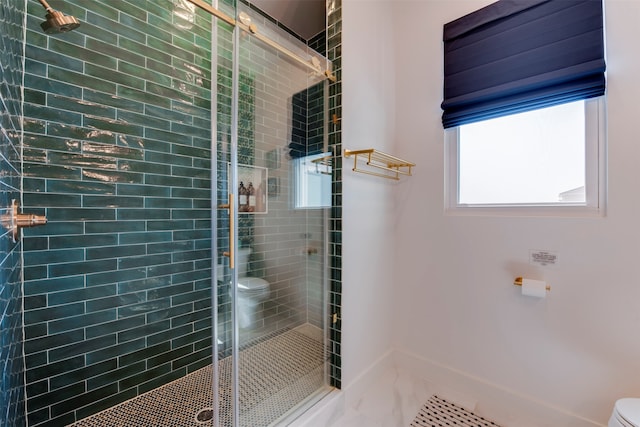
pixel 394 399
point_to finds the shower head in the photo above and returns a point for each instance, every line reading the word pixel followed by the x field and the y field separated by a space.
pixel 57 22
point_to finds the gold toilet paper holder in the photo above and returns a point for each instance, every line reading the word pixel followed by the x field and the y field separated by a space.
pixel 518 282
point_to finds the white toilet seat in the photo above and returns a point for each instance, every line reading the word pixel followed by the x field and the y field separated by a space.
pixel 252 284
pixel 627 412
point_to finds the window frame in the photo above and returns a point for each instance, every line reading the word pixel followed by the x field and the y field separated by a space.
pixel 595 175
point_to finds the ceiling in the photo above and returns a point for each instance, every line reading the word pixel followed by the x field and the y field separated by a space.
pixel 304 17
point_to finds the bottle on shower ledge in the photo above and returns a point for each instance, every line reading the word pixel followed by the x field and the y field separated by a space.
pixel 242 198
pixel 251 193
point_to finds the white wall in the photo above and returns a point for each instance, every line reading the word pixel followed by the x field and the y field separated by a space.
pixel 578 349
pixel 446 295
pixel 368 80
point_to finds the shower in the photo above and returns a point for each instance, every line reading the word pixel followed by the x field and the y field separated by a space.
pixel 57 22
pixel 137 139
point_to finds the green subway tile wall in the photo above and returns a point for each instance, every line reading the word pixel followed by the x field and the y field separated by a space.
pixel 117 154
pixel 334 53
pixel 118 157
pixel 12 387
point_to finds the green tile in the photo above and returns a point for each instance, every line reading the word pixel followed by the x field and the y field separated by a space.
pixel 52 55
pixel 127 8
pixel 144 119
pixel 118 126
pixel 34 302
pixel 168 181
pixel 76 322
pixel 112 176
pixel 143 96
pixel 55 229
pixel 134 238
pixel 51 256
pixel 82 241
pixel 132 29
pixel 167 203
pixel 115 351
pixel 161 270
pixel 146 330
pixel 169 92
pixel 114 301
pixel 97 227
pixel 122 52
pixel 74 376
pixel 139 261
pixel 114 375
pixel 168 247
pixel 75 133
pixel 145 74
pixel 112 201
pixel 80 79
pixel 169 356
pixel 126 45
pixel 143 307
pixel 166 158
pixel 191 193
pixel 87 267
pixel 115 326
pixel 81 214
pixel 53 369
pixel 38 142
pixel 112 101
pixel 52 341
pixel 80 348
pixel 35 287
pixel 52 114
pixel 51 199
pixel 147 375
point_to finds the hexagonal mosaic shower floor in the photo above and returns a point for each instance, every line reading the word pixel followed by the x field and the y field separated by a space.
pixel 276 374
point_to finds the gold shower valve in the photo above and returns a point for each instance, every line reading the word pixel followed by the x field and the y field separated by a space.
pixel 14 221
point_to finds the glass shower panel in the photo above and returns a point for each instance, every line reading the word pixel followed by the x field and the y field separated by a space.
pixel 271 306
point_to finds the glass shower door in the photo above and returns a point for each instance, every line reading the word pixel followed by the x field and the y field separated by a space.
pixel 271 299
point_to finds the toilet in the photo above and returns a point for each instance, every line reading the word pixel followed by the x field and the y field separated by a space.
pixel 626 413
pixel 252 291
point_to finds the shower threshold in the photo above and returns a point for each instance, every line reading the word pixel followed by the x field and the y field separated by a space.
pixel 276 376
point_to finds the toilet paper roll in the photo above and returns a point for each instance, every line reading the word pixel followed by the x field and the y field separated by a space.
pixel 534 288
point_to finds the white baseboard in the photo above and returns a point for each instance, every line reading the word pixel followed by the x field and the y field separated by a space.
pixel 503 406
pixel 425 377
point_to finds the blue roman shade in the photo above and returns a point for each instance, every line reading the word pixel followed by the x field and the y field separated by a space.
pixel 519 55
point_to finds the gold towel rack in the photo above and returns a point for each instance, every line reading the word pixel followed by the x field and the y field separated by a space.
pixel 393 166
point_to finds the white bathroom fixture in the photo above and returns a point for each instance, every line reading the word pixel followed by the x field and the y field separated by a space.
pixel 252 291
pixel 626 413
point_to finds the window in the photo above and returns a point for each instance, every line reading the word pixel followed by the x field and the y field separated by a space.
pixel 548 158
pixel 523 105
pixel 312 181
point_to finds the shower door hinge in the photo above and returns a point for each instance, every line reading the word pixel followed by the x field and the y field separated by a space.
pixel 14 221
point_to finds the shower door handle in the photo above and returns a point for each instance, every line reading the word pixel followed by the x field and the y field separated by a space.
pixel 232 245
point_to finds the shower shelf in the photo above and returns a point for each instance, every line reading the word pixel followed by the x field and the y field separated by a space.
pixel 393 166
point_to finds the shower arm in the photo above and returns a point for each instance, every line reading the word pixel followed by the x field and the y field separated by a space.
pixel 46 5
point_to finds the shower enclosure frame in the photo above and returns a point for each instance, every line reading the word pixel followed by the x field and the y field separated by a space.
pixel 243 24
